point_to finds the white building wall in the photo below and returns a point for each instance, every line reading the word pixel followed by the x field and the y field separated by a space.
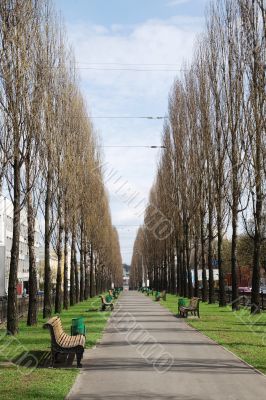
pixel 2 246
pixel 6 234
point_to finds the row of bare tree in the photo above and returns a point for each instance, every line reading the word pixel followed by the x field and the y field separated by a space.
pixel 211 176
pixel 50 162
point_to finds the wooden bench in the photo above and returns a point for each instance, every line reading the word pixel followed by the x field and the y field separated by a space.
pixel 105 305
pixel 159 296
pixel 193 308
pixel 63 343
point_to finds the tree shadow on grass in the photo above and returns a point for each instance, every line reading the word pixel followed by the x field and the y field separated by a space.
pixel 251 323
pixel 42 359
pixel 228 330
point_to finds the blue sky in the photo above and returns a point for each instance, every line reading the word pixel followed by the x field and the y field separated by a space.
pixel 107 12
pixel 109 39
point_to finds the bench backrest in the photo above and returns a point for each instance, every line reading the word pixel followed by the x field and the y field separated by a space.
pixel 55 327
pixel 194 302
pixel 104 301
pixel 163 295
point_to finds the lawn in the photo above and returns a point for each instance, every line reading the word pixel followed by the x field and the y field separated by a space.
pixel 239 332
pixel 43 383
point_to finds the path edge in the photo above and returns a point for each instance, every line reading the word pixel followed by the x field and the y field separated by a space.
pixel 218 344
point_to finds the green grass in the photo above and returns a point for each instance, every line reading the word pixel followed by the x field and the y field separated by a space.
pixel 21 383
pixel 239 332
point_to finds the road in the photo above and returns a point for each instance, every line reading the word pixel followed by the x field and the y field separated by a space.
pixel 147 353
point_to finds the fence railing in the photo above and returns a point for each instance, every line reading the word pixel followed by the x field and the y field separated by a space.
pixel 244 298
pixel 22 304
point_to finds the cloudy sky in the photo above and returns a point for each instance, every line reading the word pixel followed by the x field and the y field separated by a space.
pixel 128 53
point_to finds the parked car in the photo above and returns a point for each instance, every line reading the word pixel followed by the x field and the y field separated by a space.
pixel 244 289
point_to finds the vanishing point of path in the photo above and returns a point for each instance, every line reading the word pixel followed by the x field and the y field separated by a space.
pixel 147 353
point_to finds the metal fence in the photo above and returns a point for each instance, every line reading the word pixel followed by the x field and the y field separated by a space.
pixel 22 304
pixel 244 298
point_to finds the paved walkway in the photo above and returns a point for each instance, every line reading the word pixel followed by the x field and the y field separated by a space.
pixel 147 353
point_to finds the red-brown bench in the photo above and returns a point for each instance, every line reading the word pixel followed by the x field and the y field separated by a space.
pixel 105 304
pixel 192 308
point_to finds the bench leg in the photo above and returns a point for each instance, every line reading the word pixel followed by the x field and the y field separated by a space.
pixel 56 357
pixel 53 357
pixel 182 313
pixel 79 358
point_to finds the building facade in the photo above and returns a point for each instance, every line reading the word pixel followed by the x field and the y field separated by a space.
pixel 53 266
pixel 6 234
pixel 126 269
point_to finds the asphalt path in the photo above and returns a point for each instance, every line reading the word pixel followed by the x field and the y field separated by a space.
pixel 148 353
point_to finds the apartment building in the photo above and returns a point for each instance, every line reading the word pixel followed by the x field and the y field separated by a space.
pixel 6 234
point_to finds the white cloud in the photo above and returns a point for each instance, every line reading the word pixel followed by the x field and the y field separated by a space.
pixel 172 3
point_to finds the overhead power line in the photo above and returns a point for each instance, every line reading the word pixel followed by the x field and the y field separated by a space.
pixel 149 117
pixel 129 225
pixel 128 64
pixel 130 69
pixel 130 117
pixel 147 147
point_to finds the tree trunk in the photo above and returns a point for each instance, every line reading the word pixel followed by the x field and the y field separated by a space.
pixel 82 280
pixel 178 267
pixel 219 200
pixel 235 301
pixel 72 271
pixel 185 276
pixel 12 316
pixel 58 294
pixel 173 271
pixel 33 304
pixel 87 276
pixel 47 305
pixel 189 278
pixel 66 266
pixel 92 281
pixel 210 267
pixel 203 263
pixel 222 295
pixel 76 275
pixel 196 279
pixel 255 298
